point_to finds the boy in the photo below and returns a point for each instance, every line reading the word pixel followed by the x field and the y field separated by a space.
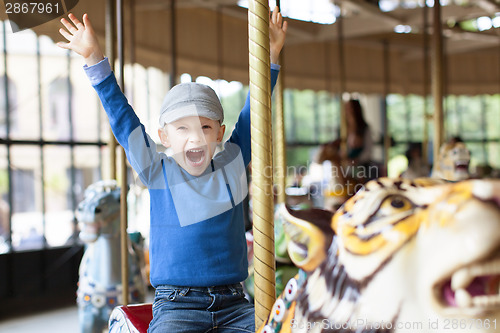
pixel 197 243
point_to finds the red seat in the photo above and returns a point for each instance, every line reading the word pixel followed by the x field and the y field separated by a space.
pixel 131 318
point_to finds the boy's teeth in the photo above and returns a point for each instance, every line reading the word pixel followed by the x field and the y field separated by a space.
pixel 195 155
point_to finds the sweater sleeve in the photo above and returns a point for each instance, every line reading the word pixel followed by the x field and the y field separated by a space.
pixel 241 132
pixel 126 126
pixel 98 72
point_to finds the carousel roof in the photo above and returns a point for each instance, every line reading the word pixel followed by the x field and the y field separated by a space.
pixel 383 42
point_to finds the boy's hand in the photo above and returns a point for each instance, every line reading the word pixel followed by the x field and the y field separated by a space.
pixel 277 34
pixel 81 38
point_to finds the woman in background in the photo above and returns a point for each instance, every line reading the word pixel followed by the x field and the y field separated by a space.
pixel 359 140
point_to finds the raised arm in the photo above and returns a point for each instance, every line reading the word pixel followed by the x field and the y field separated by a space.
pixel 277 34
pixel 81 39
pixel 126 126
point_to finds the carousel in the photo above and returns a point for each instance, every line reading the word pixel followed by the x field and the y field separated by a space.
pixel 397 255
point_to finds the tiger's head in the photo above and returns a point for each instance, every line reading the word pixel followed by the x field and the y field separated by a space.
pixel 399 256
pixel 453 162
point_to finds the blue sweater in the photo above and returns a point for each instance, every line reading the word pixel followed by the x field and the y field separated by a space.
pixel 197 235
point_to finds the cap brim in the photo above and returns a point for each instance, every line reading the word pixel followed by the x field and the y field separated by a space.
pixel 187 111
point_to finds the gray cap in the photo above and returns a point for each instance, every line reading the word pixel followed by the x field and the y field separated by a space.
pixel 190 99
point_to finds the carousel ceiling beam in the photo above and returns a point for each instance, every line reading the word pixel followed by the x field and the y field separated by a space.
pixel 372 10
pixel 294 35
pixel 488 39
pixel 146 5
pixel 455 43
pixel 165 4
pixel 208 4
pixel 353 29
pixel 489 6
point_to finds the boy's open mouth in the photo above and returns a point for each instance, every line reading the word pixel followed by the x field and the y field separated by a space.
pixel 195 156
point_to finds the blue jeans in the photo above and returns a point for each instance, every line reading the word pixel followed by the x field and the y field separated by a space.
pixel 201 309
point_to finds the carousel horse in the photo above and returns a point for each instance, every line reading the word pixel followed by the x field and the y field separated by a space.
pixel 401 255
pixel 453 161
pixel 99 285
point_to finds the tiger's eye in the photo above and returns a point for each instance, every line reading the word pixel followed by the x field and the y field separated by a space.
pixel 397 203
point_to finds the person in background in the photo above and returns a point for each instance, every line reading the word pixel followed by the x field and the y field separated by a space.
pixel 359 139
pixel 417 167
pixel 359 144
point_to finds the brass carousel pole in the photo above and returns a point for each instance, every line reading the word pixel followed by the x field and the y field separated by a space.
pixel 262 182
pixel 173 44
pixel 123 164
pixel 437 81
pixel 110 51
pixel 280 142
pixel 385 120
pixel 342 79
pixel 425 140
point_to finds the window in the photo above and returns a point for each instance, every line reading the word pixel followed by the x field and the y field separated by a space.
pixel 58 116
pixel 44 165
pixel 475 119
pixel 12 105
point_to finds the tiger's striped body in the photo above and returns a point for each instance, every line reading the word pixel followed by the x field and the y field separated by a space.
pixel 400 256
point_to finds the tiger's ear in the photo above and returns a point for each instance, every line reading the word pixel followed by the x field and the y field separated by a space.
pixel 309 234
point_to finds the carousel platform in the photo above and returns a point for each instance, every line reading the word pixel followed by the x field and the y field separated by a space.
pixel 60 320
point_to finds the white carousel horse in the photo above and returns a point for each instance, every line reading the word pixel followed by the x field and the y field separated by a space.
pixel 100 285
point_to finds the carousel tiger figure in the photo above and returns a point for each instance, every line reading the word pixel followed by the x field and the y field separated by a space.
pixel 453 161
pixel 401 255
